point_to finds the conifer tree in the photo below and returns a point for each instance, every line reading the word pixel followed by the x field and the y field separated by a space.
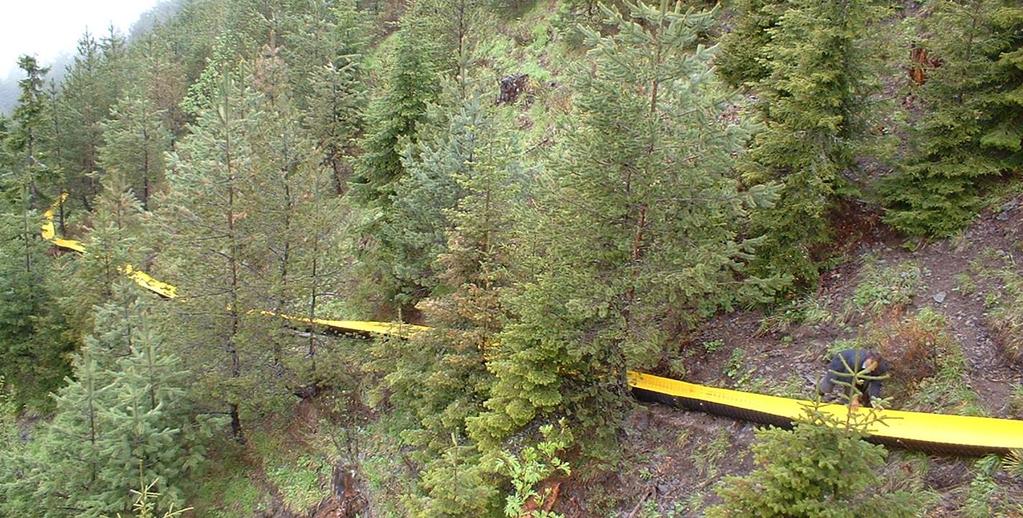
pixel 395 116
pixel 125 411
pixel 245 189
pixel 394 123
pixel 15 491
pixel 205 216
pixel 414 234
pixel 408 233
pixel 91 87
pixel 162 78
pixel 32 344
pixel 295 214
pixel 452 29
pixel 743 58
pixel 813 108
pixel 649 240
pixel 134 143
pixel 149 428
pixel 971 130
pixel 25 141
pixel 112 243
pixel 819 468
pixel 325 55
pixel 440 379
pixel 68 473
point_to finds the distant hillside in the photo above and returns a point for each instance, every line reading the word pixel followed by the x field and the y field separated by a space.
pixel 159 14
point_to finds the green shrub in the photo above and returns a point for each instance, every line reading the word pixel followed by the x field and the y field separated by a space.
pixel 1016 401
pixel 820 468
pixel 983 491
pixel 882 288
pixel 527 470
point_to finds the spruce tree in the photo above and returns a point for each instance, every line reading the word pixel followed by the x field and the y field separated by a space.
pixel 149 428
pixel 394 123
pixel 820 468
pixel 639 236
pixel 68 473
pixel 17 459
pixel 326 58
pixel 32 339
pixel 743 57
pixel 91 87
pixel 395 116
pixel 971 130
pixel 414 232
pixel 440 378
pixel 813 109
pixel 125 411
pixel 134 144
pixel 204 220
pixel 31 173
pixel 112 243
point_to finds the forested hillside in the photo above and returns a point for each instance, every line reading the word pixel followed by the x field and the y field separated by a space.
pixel 563 192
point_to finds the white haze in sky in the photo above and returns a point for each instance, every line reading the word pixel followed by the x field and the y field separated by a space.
pixel 49 28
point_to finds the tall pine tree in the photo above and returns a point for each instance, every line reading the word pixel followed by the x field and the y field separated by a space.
pixel 440 379
pixel 639 234
pixel 204 221
pixel 813 108
pixel 395 116
pixel 124 415
pixel 32 339
pixel 326 61
pixel 743 57
pixel 394 122
pixel 134 144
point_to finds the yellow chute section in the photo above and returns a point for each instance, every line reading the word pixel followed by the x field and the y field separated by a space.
pixel 50 234
pixel 917 430
pixel 359 327
pixel 148 282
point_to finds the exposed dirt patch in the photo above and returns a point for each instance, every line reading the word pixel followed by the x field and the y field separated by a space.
pixel 672 461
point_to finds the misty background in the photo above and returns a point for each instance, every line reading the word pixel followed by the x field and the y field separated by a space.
pixel 50 30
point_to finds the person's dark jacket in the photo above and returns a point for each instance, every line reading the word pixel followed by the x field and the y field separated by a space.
pixel 854 358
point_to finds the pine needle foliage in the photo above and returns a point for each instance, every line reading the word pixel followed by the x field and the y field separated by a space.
pixel 820 468
pixel 439 379
pixel 395 122
pixel 395 116
pixel 325 50
pixel 813 109
pixel 33 343
pixel 214 256
pixel 972 129
pixel 134 143
pixel 638 232
pixel 125 411
pixel 743 59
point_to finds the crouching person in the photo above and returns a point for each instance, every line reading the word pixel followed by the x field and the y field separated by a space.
pixel 859 373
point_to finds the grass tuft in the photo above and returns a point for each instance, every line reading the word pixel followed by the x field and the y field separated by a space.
pixel 885 288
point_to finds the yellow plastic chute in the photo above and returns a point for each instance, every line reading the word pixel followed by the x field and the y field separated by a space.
pixel 937 432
